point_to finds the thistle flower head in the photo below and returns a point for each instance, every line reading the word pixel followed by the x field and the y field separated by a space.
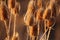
pixel 3 12
pixel 29 14
pixel 39 14
pixel 11 3
pixel 47 14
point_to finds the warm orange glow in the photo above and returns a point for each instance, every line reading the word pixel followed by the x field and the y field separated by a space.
pixel 29 19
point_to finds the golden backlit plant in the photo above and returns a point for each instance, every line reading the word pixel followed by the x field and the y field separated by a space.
pixel 40 14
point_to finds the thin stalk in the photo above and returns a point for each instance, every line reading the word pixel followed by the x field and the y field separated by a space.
pixel 6 29
pixel 14 29
pixel 48 33
pixel 44 34
pixel 51 28
pixel 9 25
pixel 14 24
pixel 6 26
pixel 38 31
pixel 45 29
pixel 30 35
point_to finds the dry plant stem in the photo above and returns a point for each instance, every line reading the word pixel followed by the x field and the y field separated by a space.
pixel 6 26
pixel 14 32
pixel 44 34
pixel 14 24
pixel 45 27
pixel 27 33
pixel 48 33
pixel 50 29
pixel 38 31
pixel 9 24
pixel 29 37
pixel 32 37
pixel 6 30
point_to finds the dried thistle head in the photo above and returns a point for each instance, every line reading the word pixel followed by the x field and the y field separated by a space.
pixel 29 14
pixel 33 30
pixel 39 14
pixel 52 7
pixel 3 12
pixel 51 22
pixel 39 3
pixel 47 14
pixel 48 10
pixel 11 3
pixel 52 2
pixel 30 6
pixel 16 8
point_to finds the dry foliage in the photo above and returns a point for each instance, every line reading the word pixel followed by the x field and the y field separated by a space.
pixel 40 15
